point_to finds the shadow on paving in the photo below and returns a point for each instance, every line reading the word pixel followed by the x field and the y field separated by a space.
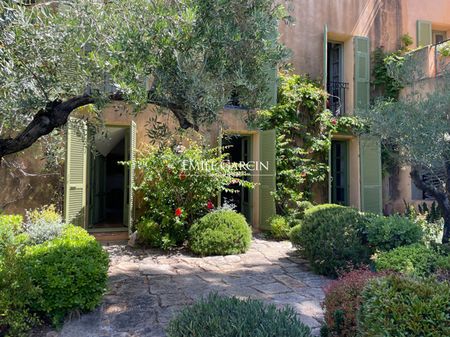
pixel 147 287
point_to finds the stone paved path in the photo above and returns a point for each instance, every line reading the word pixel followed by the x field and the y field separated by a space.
pixel 147 288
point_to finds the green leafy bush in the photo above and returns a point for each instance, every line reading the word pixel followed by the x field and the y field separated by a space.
pixel 218 316
pixel 71 271
pixel 10 226
pixel 178 184
pixel 222 232
pixel 331 237
pixel 415 259
pixel 294 235
pixel 343 298
pixel 149 232
pixel 16 292
pixel 402 306
pixel 386 233
pixel 279 228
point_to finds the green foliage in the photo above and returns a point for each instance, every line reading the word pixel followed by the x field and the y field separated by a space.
pixel 182 46
pixel 402 306
pixel 279 228
pixel 386 233
pixel 16 288
pixel 303 138
pixel 433 214
pixel 10 226
pixel 71 272
pixel 444 49
pixel 294 235
pixel 415 259
pixel 149 233
pixel 332 237
pixel 177 183
pixel 43 224
pixel 343 298
pixel 389 86
pixel 218 316
pixel 221 232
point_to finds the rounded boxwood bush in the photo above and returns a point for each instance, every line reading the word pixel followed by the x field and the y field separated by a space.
pixel 222 232
pixel 279 228
pixel 403 306
pixel 386 233
pixel 70 271
pixel 332 237
pixel 416 259
pixel 218 316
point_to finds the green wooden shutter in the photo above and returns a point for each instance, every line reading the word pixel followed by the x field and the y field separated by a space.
pixel 75 172
pixel 267 177
pixel 131 168
pixel 424 33
pixel 362 72
pixel 325 59
pixel 370 174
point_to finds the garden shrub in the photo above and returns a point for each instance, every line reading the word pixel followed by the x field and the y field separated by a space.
pixel 415 259
pixel 396 305
pixel 342 301
pixel 279 228
pixel 16 292
pixel 222 232
pixel 294 235
pixel 332 237
pixel 43 224
pixel 218 316
pixel 71 271
pixel 177 189
pixel 10 226
pixel 386 233
pixel 149 232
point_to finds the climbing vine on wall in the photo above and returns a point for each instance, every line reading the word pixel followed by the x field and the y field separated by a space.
pixel 303 128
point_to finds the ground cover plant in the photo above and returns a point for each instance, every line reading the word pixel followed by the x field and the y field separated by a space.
pixel 218 316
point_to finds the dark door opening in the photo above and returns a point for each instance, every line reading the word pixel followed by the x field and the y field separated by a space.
pixel 107 181
pixel 339 172
pixel 238 149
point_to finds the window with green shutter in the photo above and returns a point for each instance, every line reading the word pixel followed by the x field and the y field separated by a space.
pixel 267 177
pixel 424 33
pixel 362 72
pixel 370 174
pixel 75 172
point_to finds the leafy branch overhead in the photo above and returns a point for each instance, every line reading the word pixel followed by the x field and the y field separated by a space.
pixel 184 55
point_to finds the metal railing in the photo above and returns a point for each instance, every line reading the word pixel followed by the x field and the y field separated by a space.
pixel 336 97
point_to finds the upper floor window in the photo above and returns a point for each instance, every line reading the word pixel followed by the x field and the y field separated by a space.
pixel 335 78
pixel 439 36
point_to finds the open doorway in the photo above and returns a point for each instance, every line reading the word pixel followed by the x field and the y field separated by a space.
pixel 339 173
pixel 238 148
pixel 107 180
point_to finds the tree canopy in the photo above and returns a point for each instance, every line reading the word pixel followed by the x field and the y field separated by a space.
pixel 188 56
pixel 418 124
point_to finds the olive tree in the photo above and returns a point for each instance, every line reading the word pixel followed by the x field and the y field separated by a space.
pixel 418 124
pixel 187 56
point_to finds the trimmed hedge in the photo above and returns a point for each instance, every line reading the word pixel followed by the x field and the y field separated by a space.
pixel 331 237
pixel 70 271
pixel 386 233
pixel 415 259
pixel 221 232
pixel 402 306
pixel 218 316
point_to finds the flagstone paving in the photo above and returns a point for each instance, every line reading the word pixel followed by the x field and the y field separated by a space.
pixel 147 287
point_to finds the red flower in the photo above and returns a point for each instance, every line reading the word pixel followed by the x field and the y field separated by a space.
pixel 178 212
pixel 210 205
pixel 333 121
pixel 182 176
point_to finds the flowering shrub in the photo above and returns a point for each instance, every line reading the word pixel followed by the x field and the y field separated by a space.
pixel 343 298
pixel 178 185
pixel 279 228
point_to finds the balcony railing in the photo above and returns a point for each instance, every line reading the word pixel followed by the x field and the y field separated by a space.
pixel 336 97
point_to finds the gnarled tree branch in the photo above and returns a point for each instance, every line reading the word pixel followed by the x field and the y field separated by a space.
pixel 53 116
